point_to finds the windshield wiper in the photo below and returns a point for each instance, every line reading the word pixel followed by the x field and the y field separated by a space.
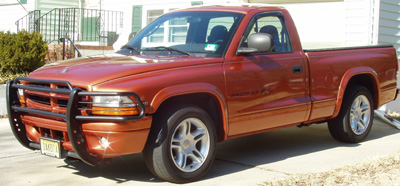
pixel 131 48
pixel 161 48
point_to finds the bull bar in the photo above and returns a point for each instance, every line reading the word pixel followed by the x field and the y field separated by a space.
pixel 72 117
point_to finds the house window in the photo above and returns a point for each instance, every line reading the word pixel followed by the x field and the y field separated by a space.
pixel 158 36
pixel 171 32
pixel 153 14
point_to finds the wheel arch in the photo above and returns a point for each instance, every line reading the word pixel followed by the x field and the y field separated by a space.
pixel 364 76
pixel 206 96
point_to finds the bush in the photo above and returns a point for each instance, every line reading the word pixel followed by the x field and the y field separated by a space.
pixel 21 52
pixel 4 77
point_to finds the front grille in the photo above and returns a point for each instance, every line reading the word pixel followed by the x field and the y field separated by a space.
pixel 38 99
pixel 53 102
pixel 62 103
pixel 42 85
pixel 62 87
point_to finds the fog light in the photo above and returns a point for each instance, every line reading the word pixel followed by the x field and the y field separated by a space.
pixel 104 142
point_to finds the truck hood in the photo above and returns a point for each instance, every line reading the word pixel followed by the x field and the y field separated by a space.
pixel 89 71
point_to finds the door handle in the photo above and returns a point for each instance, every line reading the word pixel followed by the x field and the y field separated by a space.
pixel 297 69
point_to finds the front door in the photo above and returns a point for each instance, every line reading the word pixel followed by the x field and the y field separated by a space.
pixel 266 90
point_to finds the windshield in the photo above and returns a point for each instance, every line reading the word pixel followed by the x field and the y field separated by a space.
pixel 194 33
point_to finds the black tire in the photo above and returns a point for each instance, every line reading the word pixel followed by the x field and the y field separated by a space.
pixel 186 159
pixel 354 121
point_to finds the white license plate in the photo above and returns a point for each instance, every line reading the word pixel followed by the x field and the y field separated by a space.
pixel 50 147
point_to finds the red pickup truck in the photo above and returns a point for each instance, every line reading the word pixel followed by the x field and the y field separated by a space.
pixel 195 77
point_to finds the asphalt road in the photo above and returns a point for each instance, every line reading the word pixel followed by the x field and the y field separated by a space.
pixel 244 161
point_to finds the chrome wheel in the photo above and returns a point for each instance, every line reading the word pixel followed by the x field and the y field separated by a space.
pixel 360 115
pixel 190 145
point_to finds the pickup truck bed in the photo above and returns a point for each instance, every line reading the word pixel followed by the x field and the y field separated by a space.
pixel 328 79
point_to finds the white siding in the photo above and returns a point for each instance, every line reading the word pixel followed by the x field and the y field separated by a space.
pixel 292 1
pixel 126 7
pixel 360 22
pixel 320 25
pixel 389 33
pixel 47 5
pixel 9 14
pixel 389 24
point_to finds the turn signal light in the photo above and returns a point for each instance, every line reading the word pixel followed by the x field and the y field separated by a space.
pixel 115 111
pixel 21 96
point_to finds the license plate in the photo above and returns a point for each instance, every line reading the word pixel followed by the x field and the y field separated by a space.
pixel 50 147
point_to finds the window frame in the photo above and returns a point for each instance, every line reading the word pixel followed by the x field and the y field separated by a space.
pixel 253 21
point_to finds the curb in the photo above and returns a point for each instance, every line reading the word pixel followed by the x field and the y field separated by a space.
pixel 3 110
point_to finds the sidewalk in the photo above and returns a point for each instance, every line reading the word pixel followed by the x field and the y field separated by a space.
pixel 249 160
pixel 3 109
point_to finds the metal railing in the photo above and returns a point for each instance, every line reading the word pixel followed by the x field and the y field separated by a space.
pixel 29 22
pixel 78 24
pixel 71 46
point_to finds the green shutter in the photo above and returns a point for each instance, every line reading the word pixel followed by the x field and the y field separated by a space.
pixel 197 3
pixel 136 18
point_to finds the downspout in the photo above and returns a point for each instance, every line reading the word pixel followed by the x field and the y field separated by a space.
pixel 23 6
pixel 383 116
pixel 374 22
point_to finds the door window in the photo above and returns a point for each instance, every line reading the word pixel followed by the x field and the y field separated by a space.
pixel 274 26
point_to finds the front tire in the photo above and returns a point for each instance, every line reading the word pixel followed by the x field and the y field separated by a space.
pixel 355 118
pixel 181 144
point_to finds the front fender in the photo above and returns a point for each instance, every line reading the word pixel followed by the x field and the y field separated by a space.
pixel 191 88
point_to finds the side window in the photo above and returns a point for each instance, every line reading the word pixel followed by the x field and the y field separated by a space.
pixel 274 26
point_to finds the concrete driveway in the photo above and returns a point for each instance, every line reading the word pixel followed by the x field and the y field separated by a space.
pixel 243 161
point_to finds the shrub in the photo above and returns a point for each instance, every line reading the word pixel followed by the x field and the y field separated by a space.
pixel 21 52
pixel 4 77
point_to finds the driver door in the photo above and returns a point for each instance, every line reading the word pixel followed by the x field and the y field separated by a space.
pixel 266 90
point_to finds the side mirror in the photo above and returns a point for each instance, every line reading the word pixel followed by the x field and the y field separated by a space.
pixel 258 42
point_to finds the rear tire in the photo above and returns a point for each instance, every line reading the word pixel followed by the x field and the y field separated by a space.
pixel 355 118
pixel 181 145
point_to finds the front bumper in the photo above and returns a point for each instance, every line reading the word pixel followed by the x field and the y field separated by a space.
pixel 81 132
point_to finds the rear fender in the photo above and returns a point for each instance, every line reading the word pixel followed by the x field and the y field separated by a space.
pixel 347 77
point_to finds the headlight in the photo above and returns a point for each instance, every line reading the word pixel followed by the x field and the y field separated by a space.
pixel 113 101
pixel 114 105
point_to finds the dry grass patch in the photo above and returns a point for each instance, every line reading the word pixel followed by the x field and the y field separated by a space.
pixel 384 171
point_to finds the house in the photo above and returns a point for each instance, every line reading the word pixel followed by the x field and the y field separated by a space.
pixel 320 23
pixel 13 10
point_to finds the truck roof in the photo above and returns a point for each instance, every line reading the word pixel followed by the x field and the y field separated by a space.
pixel 244 8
